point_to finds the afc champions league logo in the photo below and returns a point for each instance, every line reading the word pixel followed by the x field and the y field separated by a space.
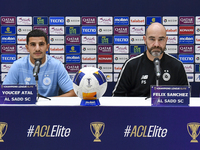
pixel 193 130
pixel 3 129
pixel 97 129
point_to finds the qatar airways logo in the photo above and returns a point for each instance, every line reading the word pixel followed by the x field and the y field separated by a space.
pixel 172 40
pixel 21 49
pixel 189 67
pixel 105 49
pixel 121 30
pixel 89 21
pixel 186 20
pixel 73 40
pixel 137 30
pixel 105 20
pixel 121 49
pixel 56 30
pixel 88 39
pixel 73 67
pixel 8 48
pixel 8 20
pixel 188 49
pixel 24 20
pixel 137 20
pixel 5 67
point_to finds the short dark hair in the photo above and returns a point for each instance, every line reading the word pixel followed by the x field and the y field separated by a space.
pixel 36 33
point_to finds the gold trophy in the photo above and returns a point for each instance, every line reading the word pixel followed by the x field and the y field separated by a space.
pixel 97 129
pixel 193 127
pixel 2 126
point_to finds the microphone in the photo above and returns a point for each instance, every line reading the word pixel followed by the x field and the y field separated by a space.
pixel 36 69
pixel 156 62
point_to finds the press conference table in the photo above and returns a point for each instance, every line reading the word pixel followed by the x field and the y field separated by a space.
pixel 126 123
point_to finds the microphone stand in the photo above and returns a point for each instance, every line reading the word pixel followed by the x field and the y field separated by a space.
pixel 38 95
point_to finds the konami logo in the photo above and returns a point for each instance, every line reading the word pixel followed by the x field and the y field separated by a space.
pixel 105 59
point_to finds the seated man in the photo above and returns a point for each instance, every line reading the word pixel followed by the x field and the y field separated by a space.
pixel 137 74
pixel 52 75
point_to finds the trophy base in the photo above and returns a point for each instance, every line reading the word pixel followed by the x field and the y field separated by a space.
pixel 97 140
pixel 1 140
pixel 194 141
pixel 90 102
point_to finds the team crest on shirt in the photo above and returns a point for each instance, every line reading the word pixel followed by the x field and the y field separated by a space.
pixel 27 80
pixel 144 78
pixel 46 80
pixel 166 76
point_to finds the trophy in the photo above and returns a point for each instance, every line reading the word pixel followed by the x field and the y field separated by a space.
pixel 193 127
pixel 97 129
pixel 2 126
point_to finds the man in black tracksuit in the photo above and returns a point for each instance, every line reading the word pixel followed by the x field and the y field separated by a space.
pixel 138 74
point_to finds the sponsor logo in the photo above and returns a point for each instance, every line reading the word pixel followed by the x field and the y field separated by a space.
pixel 121 49
pixel 197 30
pixel 145 131
pixel 37 20
pixel 121 20
pixel 136 40
pixel 197 77
pixel 105 59
pixel 8 30
pixel 105 30
pixel 5 67
pixel 8 58
pixel 137 49
pixel 89 58
pixel 197 39
pixel 56 39
pixel 109 77
pixel 105 49
pixel 46 131
pixel 21 49
pixel 105 20
pixel 72 30
pixel 24 20
pixel 187 49
pixel 56 49
pixel 59 57
pixel 105 39
pixel 171 49
pixel 3 76
pixel 121 39
pixel 89 49
pixel 120 58
pixel 8 20
pixel 197 58
pixel 116 77
pixel 56 29
pixel 73 58
pixel 121 30
pixel 186 39
pixel 171 29
pixel 170 20
pixel 3 129
pixel 73 49
pixel 189 67
pixel 186 58
pixel 21 39
pixel 8 39
pixel 186 20
pixel 172 40
pixel 105 67
pixel 197 48
pixel 72 20
pixel 8 49
pixel 73 39
pixel 186 29
pixel 151 20
pixel 89 65
pixel 20 56
pixel 89 20
pixel 24 29
pixel 197 68
pixel 197 20
pixel 190 77
pixel 43 28
pixel 137 20
pixel 117 67
pixel 89 30
pixel 89 40
pixel 73 67
pixel 137 30
pixel 56 21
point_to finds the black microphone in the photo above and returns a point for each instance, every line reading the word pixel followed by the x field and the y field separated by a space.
pixel 157 67
pixel 36 69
